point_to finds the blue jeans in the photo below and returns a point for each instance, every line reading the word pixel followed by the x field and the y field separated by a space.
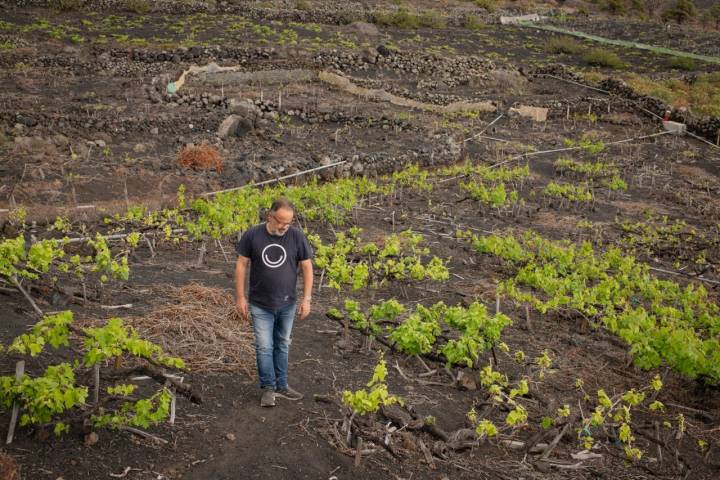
pixel 272 343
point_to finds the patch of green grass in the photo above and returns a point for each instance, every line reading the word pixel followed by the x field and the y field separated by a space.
pixel 140 7
pixel 488 5
pixel 473 22
pixel 7 45
pixel 599 57
pixel 66 5
pixel 7 26
pixel 701 97
pixel 682 63
pixel 432 19
pixel 564 44
pixel 402 18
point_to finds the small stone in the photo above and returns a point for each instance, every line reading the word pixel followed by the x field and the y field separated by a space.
pixel 154 131
pixel 230 436
pixel 91 439
pixel 466 382
pixel 140 148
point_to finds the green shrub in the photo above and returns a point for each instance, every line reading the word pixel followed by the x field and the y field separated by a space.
pixel 712 14
pixel 66 5
pixel 489 5
pixel 432 19
pixel 563 44
pixel 615 6
pixel 141 7
pixel 401 18
pixel 682 63
pixel 680 11
pixel 599 57
pixel 473 22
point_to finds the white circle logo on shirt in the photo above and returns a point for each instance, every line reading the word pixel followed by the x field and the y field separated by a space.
pixel 273 255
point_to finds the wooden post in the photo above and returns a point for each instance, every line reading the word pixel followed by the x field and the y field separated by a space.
pixel 96 383
pixel 497 302
pixel 173 400
pixel 19 370
pixel 527 318
pixel 203 249
pixel 358 451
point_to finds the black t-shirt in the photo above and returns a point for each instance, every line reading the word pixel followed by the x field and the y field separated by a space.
pixel 273 271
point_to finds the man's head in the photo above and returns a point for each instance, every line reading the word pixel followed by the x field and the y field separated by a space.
pixel 280 217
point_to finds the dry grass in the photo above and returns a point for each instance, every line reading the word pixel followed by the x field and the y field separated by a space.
pixel 701 96
pixel 564 44
pixel 200 157
pixel 8 467
pixel 202 327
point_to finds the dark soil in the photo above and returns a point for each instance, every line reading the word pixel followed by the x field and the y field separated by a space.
pixel 87 129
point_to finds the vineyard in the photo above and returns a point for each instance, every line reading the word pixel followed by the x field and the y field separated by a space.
pixel 516 269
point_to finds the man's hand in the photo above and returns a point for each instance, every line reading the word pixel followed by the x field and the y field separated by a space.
pixel 242 308
pixel 304 309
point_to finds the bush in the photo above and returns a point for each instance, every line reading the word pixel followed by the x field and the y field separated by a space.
pixel 400 18
pixel 141 7
pixel 563 44
pixel 488 5
pixel 712 15
pixel 599 57
pixel 616 7
pixel 432 19
pixel 66 5
pixel 681 11
pixel 682 63
pixel 473 22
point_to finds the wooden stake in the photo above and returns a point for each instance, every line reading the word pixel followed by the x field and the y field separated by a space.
pixel 203 249
pixel 173 400
pixel 96 383
pixel 497 303
pixel 555 441
pixel 659 448
pixel 527 318
pixel 16 282
pixel 358 451
pixel 222 249
pixel 19 370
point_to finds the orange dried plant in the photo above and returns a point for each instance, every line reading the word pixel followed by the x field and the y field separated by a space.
pixel 200 157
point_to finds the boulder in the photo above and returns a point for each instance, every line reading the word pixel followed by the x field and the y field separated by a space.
pixel 229 126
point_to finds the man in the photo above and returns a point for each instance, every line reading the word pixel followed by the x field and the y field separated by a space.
pixel 273 250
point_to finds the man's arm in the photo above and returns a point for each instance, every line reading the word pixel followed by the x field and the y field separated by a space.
pixel 241 303
pixel 307 273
